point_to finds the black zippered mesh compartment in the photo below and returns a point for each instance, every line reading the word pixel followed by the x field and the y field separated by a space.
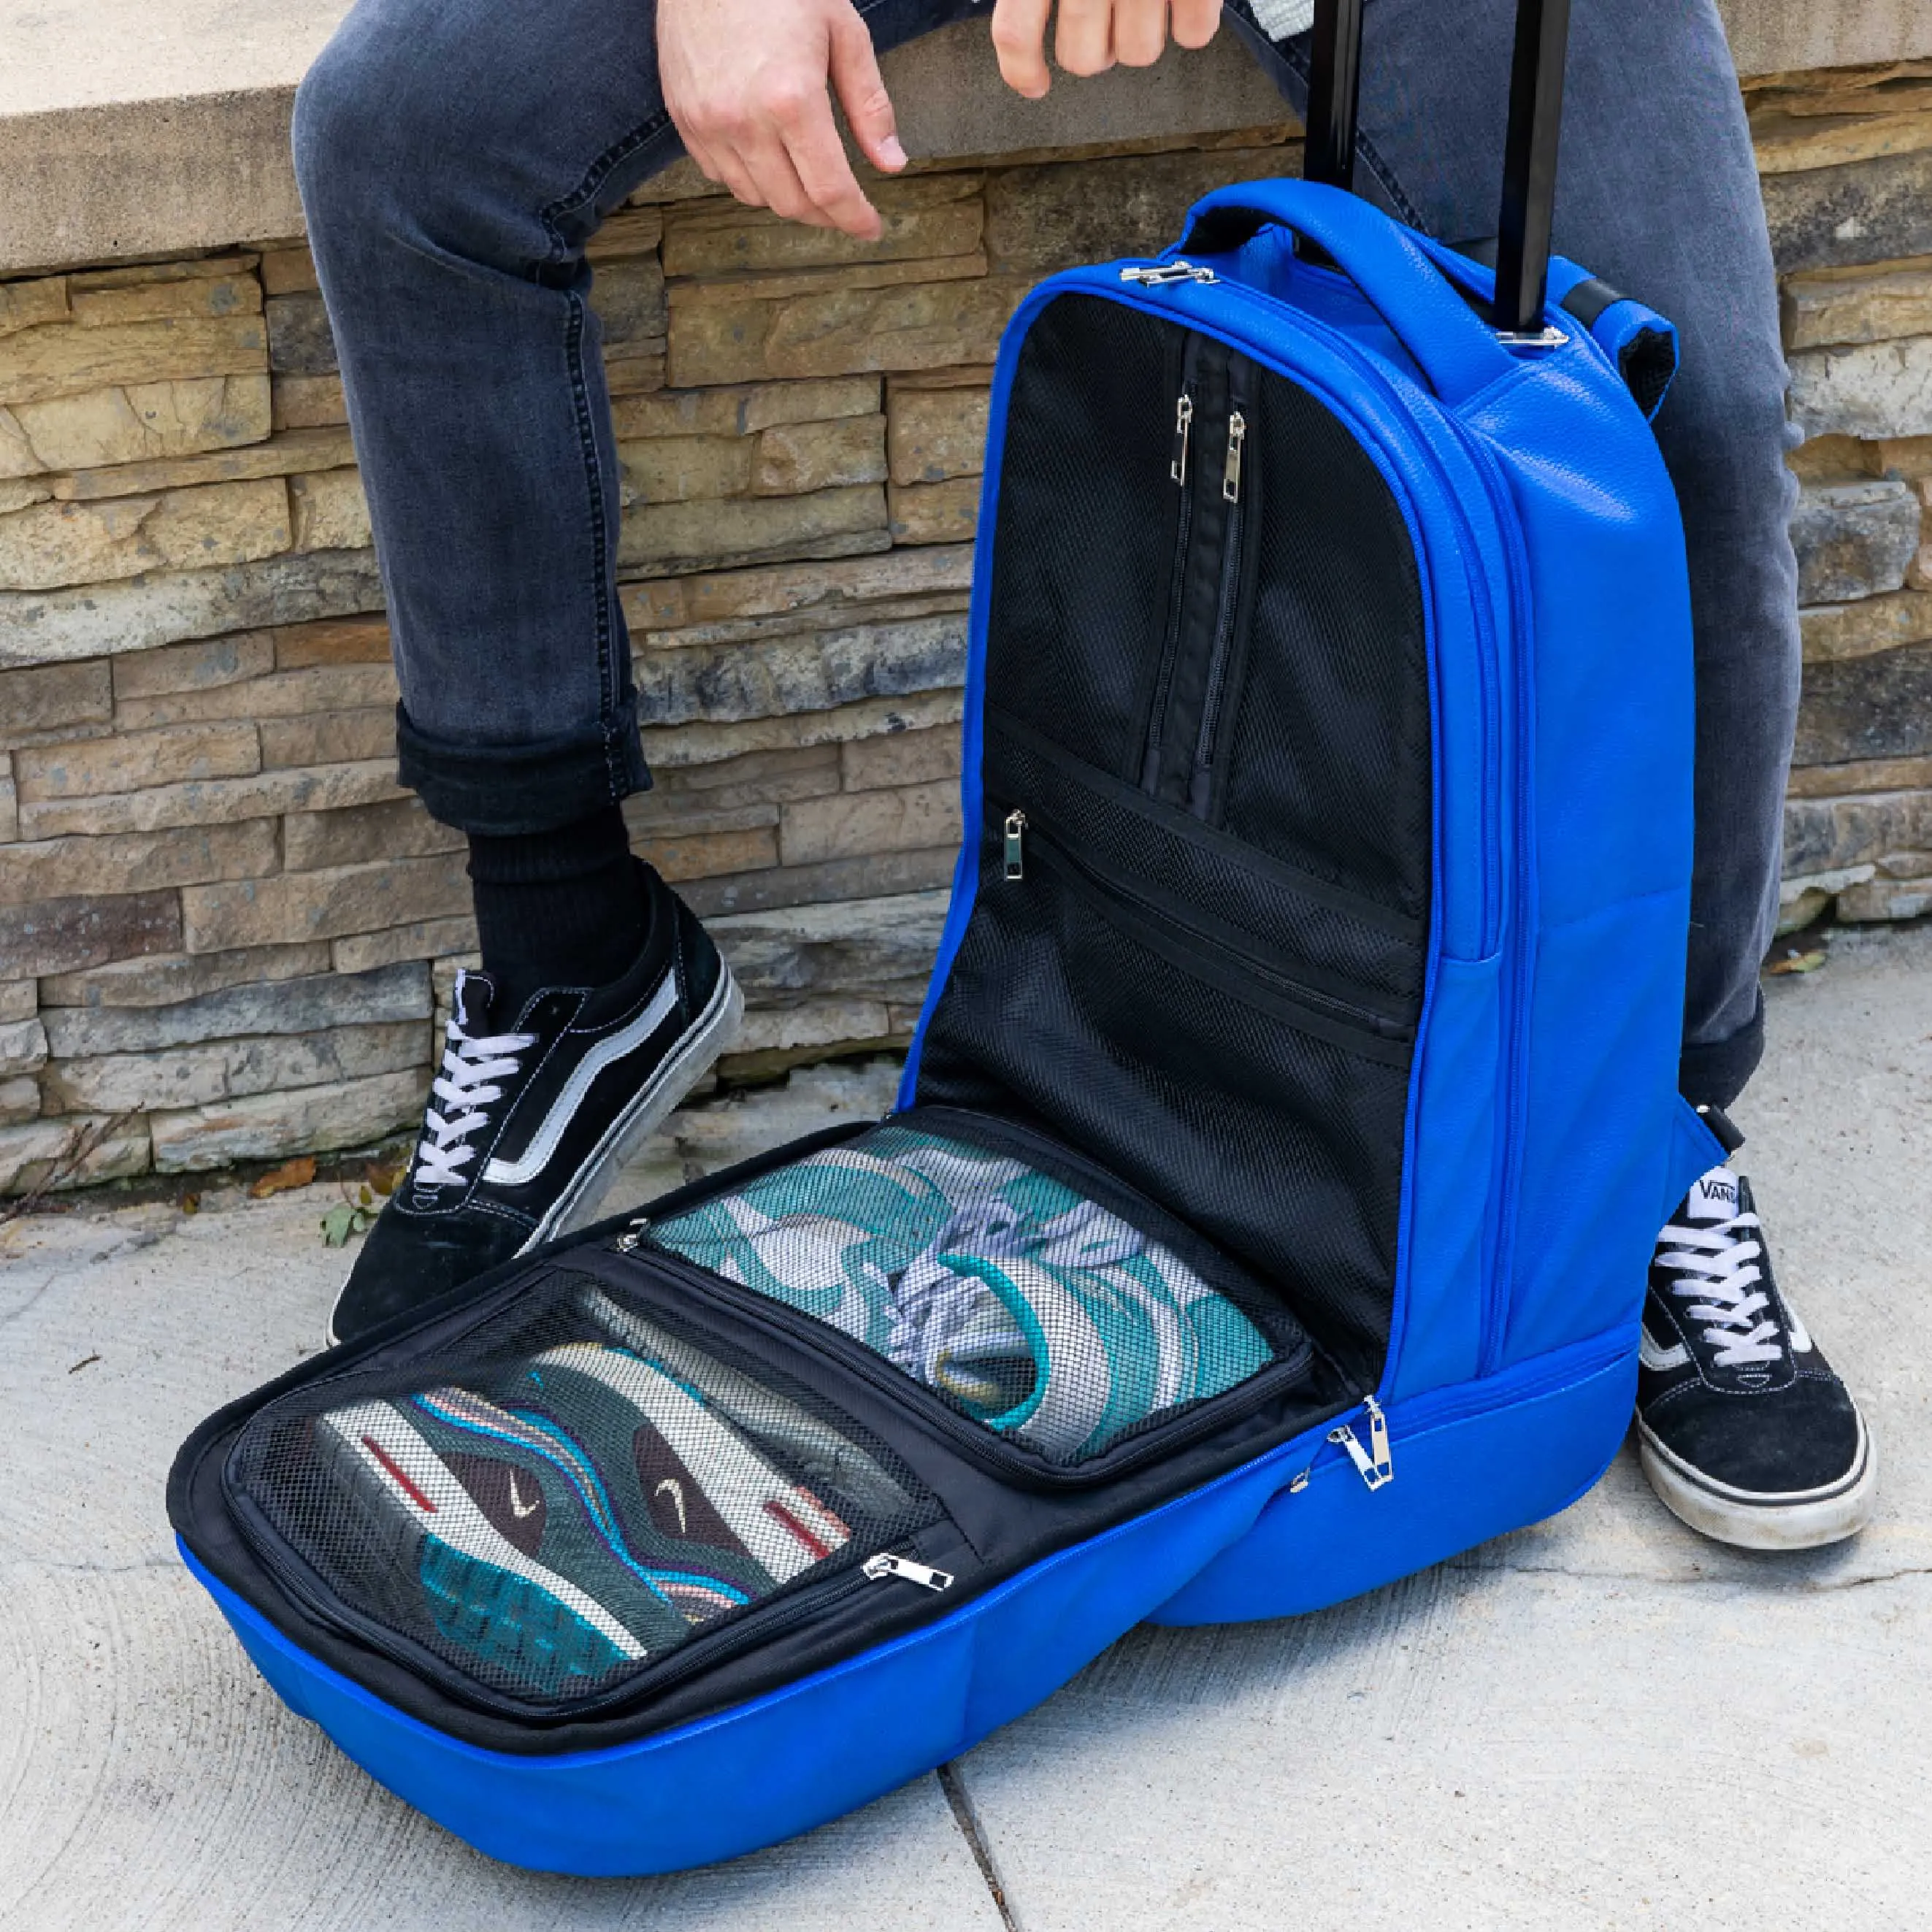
pixel 1214 992
pixel 1039 1302
pixel 1090 440
pixel 1326 759
pixel 1348 947
pixel 566 1497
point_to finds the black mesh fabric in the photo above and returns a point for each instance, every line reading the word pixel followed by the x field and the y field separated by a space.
pixel 1328 762
pixel 1647 364
pixel 573 1493
pixel 1083 544
pixel 1049 1316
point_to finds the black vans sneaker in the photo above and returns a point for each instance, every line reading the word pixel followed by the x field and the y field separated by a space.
pixel 534 1111
pixel 1743 1429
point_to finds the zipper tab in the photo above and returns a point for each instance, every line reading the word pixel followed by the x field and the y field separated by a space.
pixel 1373 1464
pixel 885 1565
pixel 1164 272
pixel 631 1238
pixel 1230 480
pixel 1016 825
pixel 1184 416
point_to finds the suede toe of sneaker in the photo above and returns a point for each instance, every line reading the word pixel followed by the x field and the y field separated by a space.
pixel 409 1260
pixel 1816 1442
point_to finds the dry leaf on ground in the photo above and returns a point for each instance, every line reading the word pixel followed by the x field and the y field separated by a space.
pixel 296 1173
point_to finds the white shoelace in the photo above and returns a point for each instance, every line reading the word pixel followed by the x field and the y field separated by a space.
pixel 1716 1265
pixel 471 1068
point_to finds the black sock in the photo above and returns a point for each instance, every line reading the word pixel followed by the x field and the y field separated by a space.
pixel 562 908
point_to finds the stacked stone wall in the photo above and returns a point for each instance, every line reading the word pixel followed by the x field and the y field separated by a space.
pixel 226 933
pixel 1845 159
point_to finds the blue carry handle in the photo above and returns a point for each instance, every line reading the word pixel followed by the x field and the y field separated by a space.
pixel 1529 146
pixel 1455 349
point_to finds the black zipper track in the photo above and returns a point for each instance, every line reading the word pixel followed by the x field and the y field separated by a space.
pixel 1278 874
pixel 1240 513
pixel 1384 1012
pixel 1170 651
pixel 1222 965
pixel 1203 615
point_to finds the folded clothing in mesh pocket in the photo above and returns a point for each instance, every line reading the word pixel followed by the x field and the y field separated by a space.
pixel 1037 1311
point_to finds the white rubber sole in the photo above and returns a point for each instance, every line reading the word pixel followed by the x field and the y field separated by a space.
pixel 711 1035
pixel 1802 1519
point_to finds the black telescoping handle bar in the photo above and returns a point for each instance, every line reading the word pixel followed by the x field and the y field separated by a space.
pixel 1334 94
pixel 1529 163
pixel 1529 147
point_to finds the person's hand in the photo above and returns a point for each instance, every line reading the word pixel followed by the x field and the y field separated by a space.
pixel 745 81
pixel 1092 35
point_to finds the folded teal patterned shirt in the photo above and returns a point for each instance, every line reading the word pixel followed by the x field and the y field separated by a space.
pixel 1040 1313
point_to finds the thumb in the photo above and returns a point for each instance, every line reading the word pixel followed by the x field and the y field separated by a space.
pixel 861 92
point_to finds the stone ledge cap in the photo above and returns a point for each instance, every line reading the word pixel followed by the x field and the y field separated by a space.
pixel 129 128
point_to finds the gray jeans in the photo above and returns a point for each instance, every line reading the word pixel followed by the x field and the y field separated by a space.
pixel 456 155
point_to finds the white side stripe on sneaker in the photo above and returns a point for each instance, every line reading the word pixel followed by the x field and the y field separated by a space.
pixel 1654 1357
pixel 549 1136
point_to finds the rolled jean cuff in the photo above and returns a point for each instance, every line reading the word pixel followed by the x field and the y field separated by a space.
pixel 1713 1075
pixel 504 789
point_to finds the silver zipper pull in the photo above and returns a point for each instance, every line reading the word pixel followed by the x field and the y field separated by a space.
pixel 1237 434
pixel 629 1240
pixel 1016 824
pixel 885 1564
pixel 1163 272
pixel 1373 1464
pixel 1184 417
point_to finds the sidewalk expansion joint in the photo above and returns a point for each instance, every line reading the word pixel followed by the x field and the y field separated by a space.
pixel 954 1785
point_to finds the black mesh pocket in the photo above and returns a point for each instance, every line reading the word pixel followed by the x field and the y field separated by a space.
pixel 1061 1321
pixel 1276 1130
pixel 570 1496
pixel 1337 943
pixel 1082 547
pixel 1328 766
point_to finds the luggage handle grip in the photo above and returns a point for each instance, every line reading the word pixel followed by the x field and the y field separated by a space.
pixel 1454 347
pixel 1529 149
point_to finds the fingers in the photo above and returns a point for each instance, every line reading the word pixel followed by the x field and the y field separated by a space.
pixel 720 163
pixel 1140 31
pixel 861 92
pixel 1093 35
pixel 817 171
pixel 775 176
pixel 1019 40
pixel 1083 40
pixel 1195 22
pixel 747 86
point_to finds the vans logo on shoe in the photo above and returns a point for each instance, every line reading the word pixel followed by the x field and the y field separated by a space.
pixel 1712 1193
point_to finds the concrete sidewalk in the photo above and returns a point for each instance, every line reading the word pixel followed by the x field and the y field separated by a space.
pixel 1600 1722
